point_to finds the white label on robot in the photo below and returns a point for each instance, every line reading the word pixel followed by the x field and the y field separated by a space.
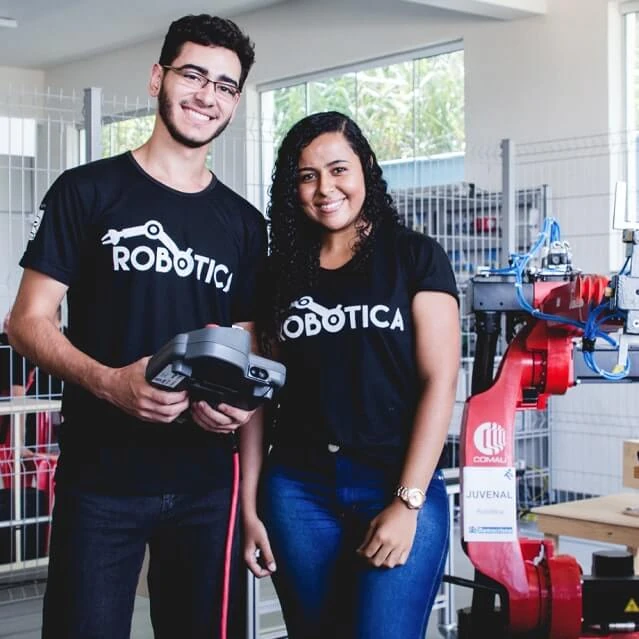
pixel 489 504
pixel 167 378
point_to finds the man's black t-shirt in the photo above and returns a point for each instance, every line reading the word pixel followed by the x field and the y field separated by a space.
pixel 143 262
pixel 348 344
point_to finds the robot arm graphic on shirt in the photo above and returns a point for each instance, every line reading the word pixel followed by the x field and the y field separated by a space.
pixel 333 318
pixel 566 328
pixel 183 260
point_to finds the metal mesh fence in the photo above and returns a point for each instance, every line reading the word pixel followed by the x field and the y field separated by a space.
pixel 589 423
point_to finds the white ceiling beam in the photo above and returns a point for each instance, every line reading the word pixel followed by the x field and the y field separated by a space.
pixel 498 9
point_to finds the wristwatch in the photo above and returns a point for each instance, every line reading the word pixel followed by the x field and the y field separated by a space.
pixel 414 498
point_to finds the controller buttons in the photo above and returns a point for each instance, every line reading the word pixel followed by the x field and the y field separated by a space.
pixel 260 373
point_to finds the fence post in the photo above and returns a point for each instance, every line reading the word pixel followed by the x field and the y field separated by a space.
pixel 93 123
pixel 508 222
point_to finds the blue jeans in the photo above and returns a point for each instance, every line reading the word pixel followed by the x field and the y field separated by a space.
pixel 316 508
pixel 97 548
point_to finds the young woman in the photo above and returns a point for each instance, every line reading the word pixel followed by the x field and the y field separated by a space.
pixel 364 314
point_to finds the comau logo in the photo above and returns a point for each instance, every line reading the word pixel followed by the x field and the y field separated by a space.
pixel 490 438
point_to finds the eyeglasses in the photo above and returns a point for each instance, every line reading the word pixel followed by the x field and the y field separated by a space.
pixel 196 81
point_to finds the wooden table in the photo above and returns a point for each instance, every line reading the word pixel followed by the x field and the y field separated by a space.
pixel 599 519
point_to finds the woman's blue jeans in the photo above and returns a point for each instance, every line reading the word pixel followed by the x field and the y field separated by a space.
pixel 97 548
pixel 317 507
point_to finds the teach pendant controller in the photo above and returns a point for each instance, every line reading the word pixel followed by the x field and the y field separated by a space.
pixel 215 364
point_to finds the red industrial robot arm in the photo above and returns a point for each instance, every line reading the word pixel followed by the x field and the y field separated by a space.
pixel 541 593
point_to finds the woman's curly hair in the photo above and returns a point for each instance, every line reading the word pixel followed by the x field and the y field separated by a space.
pixel 294 239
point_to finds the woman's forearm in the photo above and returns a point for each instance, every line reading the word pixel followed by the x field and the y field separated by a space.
pixel 251 458
pixel 430 428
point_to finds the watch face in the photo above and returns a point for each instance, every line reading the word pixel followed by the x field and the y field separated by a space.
pixel 415 498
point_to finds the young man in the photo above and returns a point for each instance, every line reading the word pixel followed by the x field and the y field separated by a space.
pixel 145 245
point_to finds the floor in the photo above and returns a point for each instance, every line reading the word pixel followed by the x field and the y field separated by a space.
pixel 20 607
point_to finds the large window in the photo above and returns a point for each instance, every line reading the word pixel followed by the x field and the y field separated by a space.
pixel 410 110
pixel 125 132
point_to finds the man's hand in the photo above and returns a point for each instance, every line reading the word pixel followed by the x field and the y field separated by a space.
pixel 390 536
pixel 223 419
pixel 128 389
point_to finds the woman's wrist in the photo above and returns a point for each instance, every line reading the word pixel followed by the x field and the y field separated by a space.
pixel 249 514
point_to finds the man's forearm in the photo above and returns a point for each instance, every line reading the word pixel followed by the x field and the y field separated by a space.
pixel 40 341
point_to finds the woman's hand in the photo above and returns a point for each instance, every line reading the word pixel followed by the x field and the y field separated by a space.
pixel 257 549
pixel 223 419
pixel 390 536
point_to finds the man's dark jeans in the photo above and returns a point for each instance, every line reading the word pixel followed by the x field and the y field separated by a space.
pixel 97 549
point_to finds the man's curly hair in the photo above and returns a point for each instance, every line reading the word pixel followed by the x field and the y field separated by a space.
pixel 209 31
pixel 294 239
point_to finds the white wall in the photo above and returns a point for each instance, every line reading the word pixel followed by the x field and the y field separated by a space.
pixel 17 79
pixel 124 72
pixel 540 78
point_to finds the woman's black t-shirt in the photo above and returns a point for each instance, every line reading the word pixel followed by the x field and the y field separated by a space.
pixel 348 344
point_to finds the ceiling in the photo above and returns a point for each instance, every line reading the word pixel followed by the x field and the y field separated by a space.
pixel 52 32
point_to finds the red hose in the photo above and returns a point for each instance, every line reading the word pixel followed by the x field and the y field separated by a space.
pixel 228 551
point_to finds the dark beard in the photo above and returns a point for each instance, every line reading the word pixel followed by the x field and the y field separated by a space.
pixel 164 111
